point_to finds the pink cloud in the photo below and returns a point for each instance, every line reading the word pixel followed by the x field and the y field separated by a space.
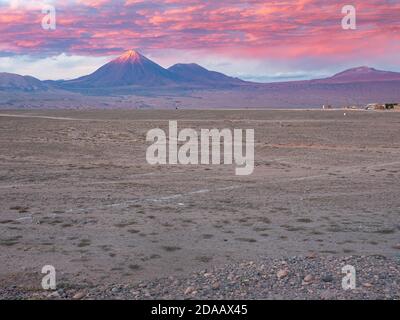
pixel 254 29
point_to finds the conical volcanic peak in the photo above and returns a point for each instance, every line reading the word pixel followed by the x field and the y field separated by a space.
pixel 129 69
pixel 130 56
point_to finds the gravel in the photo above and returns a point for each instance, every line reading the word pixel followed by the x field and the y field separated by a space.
pixel 297 278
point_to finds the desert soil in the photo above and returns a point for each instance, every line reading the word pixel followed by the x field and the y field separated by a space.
pixel 77 193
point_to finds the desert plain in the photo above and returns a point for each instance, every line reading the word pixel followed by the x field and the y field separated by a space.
pixel 77 193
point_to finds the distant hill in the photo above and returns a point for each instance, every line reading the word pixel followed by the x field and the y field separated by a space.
pixel 193 73
pixel 15 82
pixel 361 74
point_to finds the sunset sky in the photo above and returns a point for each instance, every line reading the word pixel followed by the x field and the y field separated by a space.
pixel 255 40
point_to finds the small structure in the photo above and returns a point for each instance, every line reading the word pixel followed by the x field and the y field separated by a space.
pixel 391 106
pixel 386 106
pixel 374 106
pixel 352 107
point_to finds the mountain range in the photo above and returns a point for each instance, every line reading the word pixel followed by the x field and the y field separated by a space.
pixel 134 74
pixel 15 82
pixel 134 69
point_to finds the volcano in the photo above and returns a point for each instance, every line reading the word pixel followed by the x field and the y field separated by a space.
pixel 361 74
pixel 130 69
pixel 134 69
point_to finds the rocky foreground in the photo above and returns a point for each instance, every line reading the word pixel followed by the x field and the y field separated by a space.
pixel 308 277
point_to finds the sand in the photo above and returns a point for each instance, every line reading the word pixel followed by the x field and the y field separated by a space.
pixel 76 192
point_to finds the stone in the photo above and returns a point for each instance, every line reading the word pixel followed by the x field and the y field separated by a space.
pixel 311 255
pixel 60 291
pixel 283 273
pixel 367 285
pixel 79 296
pixel 327 278
pixel 308 278
pixel 189 290
pixel 54 295
pixel 216 285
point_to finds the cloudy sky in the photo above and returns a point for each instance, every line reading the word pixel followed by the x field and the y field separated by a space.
pixel 255 40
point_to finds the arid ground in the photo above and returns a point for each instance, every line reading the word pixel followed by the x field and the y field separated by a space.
pixel 76 192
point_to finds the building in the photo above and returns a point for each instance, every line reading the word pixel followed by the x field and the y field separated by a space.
pixel 386 106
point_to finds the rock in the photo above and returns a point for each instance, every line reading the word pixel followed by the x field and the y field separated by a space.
pixel 60 291
pixel 147 294
pixel 311 255
pixel 282 273
pixel 54 295
pixel 189 290
pixel 367 285
pixel 216 285
pixel 327 278
pixel 308 278
pixel 79 296
pixel 397 246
